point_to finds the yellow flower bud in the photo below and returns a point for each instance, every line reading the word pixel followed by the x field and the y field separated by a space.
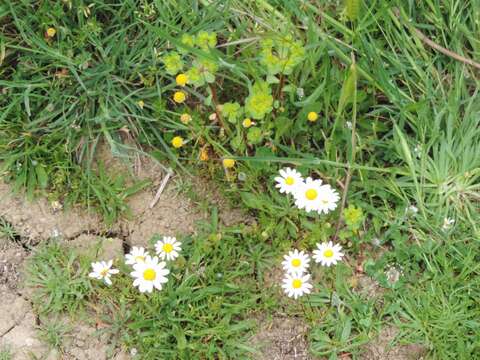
pixel 247 123
pixel 179 97
pixel 228 163
pixel 204 155
pixel 185 118
pixel 177 142
pixel 312 116
pixel 181 79
pixel 51 32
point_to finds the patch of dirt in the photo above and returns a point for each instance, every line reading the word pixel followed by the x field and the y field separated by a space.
pixel 18 327
pixel 39 220
pixel 384 348
pixel 11 258
pixel 281 338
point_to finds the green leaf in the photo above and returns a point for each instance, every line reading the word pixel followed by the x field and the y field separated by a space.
pixel 348 88
pixel 42 176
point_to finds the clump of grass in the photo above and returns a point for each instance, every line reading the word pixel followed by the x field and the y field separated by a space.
pixel 59 279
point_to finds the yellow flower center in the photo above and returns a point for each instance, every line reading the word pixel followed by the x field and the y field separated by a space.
pixel 289 181
pixel 140 258
pixel 297 283
pixel 228 163
pixel 328 253
pixel 104 272
pixel 181 79
pixel 149 274
pixel 296 262
pixel 179 97
pixel 167 248
pixel 312 116
pixel 177 142
pixel 311 194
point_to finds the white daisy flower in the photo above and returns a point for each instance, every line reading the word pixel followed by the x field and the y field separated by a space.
pixel 328 199
pixel 149 274
pixel 296 285
pixel 136 255
pixel 307 195
pixel 296 262
pixel 328 254
pixel 168 248
pixel 102 270
pixel 288 180
pixel 447 223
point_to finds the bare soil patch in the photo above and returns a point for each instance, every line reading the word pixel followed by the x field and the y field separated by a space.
pixel 281 338
pixel 385 348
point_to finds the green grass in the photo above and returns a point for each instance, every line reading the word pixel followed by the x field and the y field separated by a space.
pixel 415 114
pixel 59 278
pixel 5 354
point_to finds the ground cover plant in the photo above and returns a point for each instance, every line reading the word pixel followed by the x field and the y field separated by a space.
pixel 378 102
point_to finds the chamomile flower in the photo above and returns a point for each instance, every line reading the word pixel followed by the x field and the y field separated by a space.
pixel 168 248
pixel 288 180
pixel 307 195
pixel 149 274
pixel 327 199
pixel 296 285
pixel 296 262
pixel 136 255
pixel 328 254
pixel 102 270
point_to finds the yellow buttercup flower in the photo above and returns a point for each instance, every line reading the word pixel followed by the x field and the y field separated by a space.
pixel 179 97
pixel 185 118
pixel 228 163
pixel 312 116
pixel 181 79
pixel 51 32
pixel 177 142
pixel 247 123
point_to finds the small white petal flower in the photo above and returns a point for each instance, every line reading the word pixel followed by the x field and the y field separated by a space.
pixel 328 254
pixel 307 194
pixel 136 255
pixel 349 125
pixel 311 195
pixel 296 262
pixel 296 285
pixel 102 270
pixel 328 199
pixel 149 274
pixel 168 248
pixel 288 180
pixel 447 223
